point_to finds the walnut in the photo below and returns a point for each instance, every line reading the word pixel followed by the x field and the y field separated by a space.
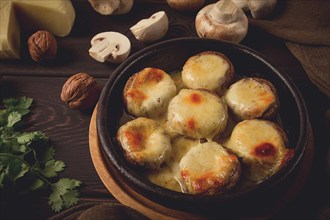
pixel 80 91
pixel 42 46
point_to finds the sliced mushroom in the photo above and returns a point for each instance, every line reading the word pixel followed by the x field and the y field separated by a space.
pixel 151 29
pixel 112 46
pixel 108 7
pixel 222 20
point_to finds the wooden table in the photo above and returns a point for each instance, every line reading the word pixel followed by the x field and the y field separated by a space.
pixel 68 129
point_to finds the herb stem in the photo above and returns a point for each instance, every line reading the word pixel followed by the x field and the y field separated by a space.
pixel 28 165
pixel 16 157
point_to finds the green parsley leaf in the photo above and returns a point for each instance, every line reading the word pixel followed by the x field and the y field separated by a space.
pixel 27 137
pixel 63 194
pixel 27 159
pixel 20 105
pixel 13 118
pixel 52 167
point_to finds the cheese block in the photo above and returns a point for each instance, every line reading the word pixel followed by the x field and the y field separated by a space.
pixel 55 16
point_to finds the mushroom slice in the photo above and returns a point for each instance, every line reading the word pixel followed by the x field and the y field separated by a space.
pixel 105 7
pixel 222 20
pixel 251 98
pixel 262 146
pixel 209 169
pixel 144 142
pixel 151 29
pixel 112 46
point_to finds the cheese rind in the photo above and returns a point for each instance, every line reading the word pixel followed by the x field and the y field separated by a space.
pixel 55 16
pixel 9 31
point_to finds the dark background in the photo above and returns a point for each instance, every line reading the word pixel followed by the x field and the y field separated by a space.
pixel 68 129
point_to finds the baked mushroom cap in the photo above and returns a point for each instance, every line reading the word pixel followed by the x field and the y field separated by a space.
pixel 262 146
pixel 222 20
pixel 148 92
pixel 251 98
pixel 144 142
pixel 208 70
pixel 197 114
pixel 209 169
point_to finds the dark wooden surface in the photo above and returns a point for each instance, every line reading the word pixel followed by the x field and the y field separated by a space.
pixel 68 129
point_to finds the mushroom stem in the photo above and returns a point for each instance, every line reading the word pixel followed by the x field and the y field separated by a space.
pixel 224 11
pixel 102 49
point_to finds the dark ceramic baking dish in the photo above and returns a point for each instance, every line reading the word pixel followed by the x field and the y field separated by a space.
pixel 170 56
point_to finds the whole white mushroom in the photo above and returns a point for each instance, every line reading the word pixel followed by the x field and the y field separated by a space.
pixel 222 20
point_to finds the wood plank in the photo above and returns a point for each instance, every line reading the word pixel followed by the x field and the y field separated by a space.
pixel 66 128
pixel 73 54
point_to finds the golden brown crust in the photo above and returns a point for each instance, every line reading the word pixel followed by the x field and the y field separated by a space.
pixel 273 108
pixel 229 75
pixel 147 93
pixel 262 104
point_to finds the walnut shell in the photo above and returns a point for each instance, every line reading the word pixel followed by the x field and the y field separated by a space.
pixel 42 46
pixel 80 91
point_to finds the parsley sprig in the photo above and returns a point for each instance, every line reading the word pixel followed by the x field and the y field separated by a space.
pixel 27 159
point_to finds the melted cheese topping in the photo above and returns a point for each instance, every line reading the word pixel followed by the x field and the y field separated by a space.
pixel 197 114
pixel 208 168
pixel 148 92
pixel 261 145
pixel 208 70
pixel 250 98
pixel 168 176
pixel 144 142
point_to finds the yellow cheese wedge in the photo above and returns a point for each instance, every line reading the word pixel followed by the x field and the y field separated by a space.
pixel 55 16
